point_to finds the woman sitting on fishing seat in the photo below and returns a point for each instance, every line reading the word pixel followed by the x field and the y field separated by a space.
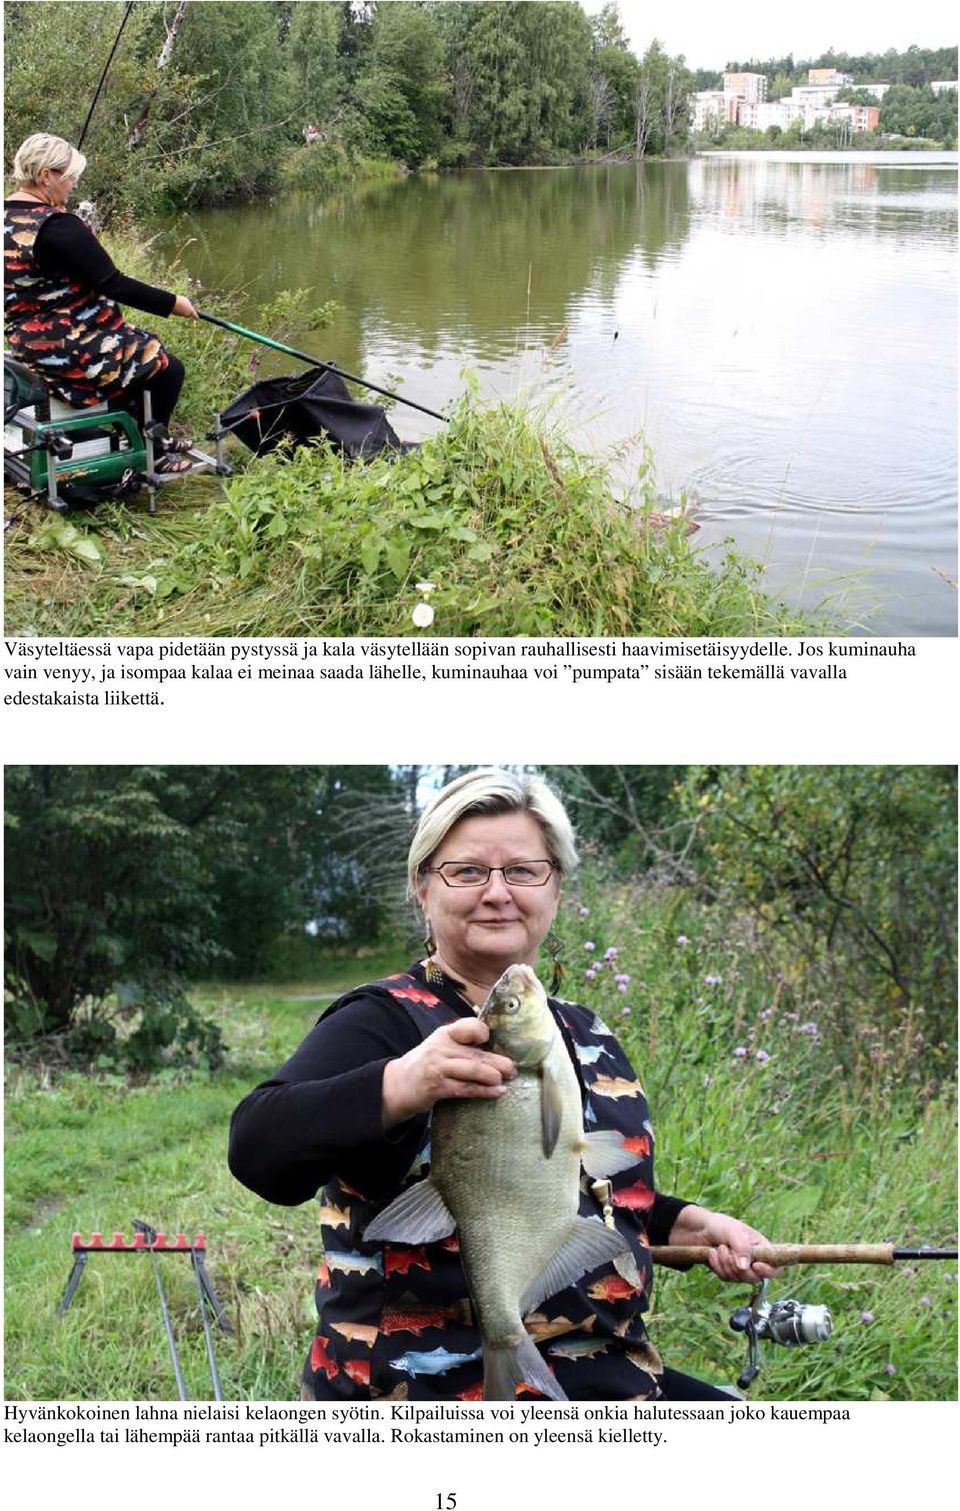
pixel 350 1111
pixel 61 293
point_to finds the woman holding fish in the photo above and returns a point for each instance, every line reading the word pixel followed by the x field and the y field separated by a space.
pixel 485 1153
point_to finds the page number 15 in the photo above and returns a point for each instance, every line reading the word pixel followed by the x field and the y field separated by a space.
pixel 446 1502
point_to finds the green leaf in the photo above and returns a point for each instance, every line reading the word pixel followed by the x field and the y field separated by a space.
pixel 398 558
pixel 482 551
pixel 370 550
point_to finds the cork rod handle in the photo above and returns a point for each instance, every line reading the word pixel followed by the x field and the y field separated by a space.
pixel 785 1253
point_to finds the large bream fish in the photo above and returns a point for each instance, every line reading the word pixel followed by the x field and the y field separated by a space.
pixel 505 1173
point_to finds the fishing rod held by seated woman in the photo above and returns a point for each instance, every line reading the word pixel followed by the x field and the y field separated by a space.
pixel 62 293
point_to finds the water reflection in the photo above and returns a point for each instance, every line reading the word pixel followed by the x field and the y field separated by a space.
pixel 783 332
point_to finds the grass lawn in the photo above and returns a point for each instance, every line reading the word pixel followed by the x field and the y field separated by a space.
pixel 86 1154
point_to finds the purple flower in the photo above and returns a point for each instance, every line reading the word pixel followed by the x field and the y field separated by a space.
pixel 761 1055
pixel 925 1301
pixel 621 988
pixel 584 912
pixel 622 979
pixel 624 1012
pixel 712 980
pixel 889 1369
pixel 588 944
pixel 866 1316
pixel 764 1015
pixel 739 1052
pixel 808 1028
pixel 611 953
pixel 682 939
pixel 590 975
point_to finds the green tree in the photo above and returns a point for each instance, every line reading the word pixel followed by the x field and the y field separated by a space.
pixel 852 869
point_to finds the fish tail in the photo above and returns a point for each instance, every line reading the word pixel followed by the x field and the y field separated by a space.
pixel 505 1366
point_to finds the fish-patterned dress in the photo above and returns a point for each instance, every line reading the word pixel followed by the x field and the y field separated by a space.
pixel 395 1319
pixel 76 339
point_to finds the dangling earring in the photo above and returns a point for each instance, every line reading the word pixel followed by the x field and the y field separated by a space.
pixel 432 971
pixel 554 946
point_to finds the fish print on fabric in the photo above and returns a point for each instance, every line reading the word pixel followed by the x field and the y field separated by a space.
pixel 78 343
pixel 406 1309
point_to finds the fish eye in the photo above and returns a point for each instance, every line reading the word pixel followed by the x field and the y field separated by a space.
pixel 511 1005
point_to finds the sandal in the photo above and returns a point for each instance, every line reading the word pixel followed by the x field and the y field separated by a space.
pixel 170 463
pixel 176 445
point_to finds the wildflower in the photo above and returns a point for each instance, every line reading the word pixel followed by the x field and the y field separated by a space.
pixel 764 1014
pixel 584 912
pixel 624 1012
pixel 423 616
pixel 590 975
pixel 712 980
pixel 588 944
pixel 682 939
pixel 621 988
pixel 808 1028
pixel 889 1369
pixel 761 1055
pixel 425 588
pixel 622 979
pixel 925 1301
pixel 611 953
pixel 740 1052
pixel 866 1316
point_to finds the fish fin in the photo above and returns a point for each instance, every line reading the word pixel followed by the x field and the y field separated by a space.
pixel 419 1215
pixel 507 1366
pixel 588 1245
pixel 605 1153
pixel 551 1109
pixel 626 1267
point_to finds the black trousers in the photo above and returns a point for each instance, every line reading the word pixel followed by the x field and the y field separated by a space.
pixel 677 1387
pixel 164 392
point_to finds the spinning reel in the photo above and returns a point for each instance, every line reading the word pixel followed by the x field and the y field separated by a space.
pixel 786 1322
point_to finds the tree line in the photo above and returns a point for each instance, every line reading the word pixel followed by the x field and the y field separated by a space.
pixel 207 102
pixel 916 67
pixel 126 883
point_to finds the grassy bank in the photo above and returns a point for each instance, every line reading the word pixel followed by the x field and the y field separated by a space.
pixel 520 533
pixel 777 1134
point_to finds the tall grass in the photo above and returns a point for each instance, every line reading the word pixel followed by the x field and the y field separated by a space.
pixel 780 1134
pixel 520 534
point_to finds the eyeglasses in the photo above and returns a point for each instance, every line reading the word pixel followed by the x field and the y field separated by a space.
pixel 521 873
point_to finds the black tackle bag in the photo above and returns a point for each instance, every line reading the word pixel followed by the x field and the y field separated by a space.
pixel 311 405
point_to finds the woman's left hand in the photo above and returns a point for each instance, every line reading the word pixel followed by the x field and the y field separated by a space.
pixel 730 1242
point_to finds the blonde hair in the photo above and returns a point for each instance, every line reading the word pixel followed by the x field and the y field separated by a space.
pixel 490 790
pixel 45 151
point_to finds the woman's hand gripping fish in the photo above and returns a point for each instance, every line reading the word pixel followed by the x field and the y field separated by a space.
pixel 506 1174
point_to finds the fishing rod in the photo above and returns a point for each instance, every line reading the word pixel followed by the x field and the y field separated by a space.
pixel 150 1234
pixel 790 1322
pixel 106 70
pixel 291 351
pixel 803 1253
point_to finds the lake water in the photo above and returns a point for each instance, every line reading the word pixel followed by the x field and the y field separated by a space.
pixel 780 330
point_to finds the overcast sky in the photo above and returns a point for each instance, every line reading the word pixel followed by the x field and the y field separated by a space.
pixel 709 33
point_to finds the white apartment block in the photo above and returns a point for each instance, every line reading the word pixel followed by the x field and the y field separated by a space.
pixel 944 86
pixel 747 86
